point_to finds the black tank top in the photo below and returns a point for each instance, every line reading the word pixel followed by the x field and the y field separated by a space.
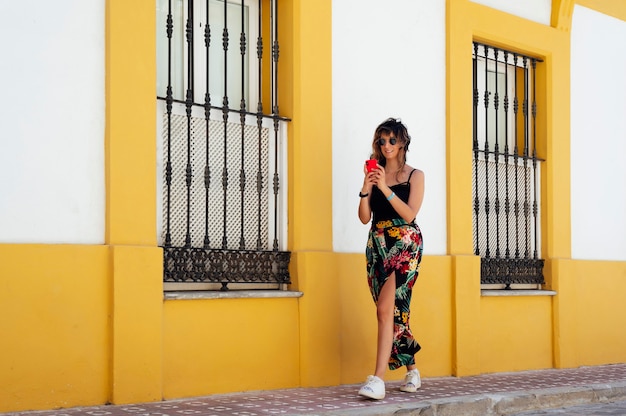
pixel 381 208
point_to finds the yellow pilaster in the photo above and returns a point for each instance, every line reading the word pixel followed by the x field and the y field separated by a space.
pixel 459 129
pixel 466 315
pixel 320 319
pixel 306 95
pixel 136 359
pixel 130 233
pixel 561 17
pixel 564 311
pixel 555 179
pixel 130 131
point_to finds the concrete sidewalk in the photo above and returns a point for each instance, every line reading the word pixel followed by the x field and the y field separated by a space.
pixel 489 394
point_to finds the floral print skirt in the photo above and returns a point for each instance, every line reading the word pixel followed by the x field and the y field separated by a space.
pixel 396 246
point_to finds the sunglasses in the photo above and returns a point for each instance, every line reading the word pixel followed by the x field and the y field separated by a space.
pixel 392 141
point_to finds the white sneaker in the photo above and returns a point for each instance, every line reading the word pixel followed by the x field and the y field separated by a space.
pixel 412 381
pixel 374 388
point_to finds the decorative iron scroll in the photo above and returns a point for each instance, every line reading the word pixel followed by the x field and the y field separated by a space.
pixel 510 271
pixel 198 265
pixel 506 176
pixel 223 167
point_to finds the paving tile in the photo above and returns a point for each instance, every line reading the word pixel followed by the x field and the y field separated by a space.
pixel 449 392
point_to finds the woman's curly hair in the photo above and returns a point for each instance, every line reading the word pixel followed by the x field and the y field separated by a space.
pixel 400 132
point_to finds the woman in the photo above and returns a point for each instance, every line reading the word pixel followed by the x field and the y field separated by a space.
pixel 391 197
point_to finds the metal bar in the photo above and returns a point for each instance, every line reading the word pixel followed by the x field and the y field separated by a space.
pixel 475 148
pixel 486 100
pixel 189 100
pixel 230 110
pixel 520 157
pixel 242 119
pixel 275 51
pixel 168 100
pixel 515 159
pixel 526 153
pixel 276 185
pixel 534 115
pixel 259 121
pixel 207 114
pixel 274 61
pixel 496 152
pixel 516 53
pixel 507 206
pixel 225 122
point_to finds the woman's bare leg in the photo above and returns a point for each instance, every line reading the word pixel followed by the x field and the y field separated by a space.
pixel 384 311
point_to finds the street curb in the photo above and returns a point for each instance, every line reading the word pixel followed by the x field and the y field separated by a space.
pixel 498 404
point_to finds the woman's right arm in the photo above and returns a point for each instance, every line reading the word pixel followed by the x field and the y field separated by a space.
pixel 365 211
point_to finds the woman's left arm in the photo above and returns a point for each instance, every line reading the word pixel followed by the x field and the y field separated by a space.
pixel 416 196
pixel 409 210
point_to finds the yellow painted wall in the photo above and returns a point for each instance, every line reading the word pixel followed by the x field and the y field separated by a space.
pixel 589 312
pixel 431 319
pixel 516 333
pixel 305 95
pixel 615 9
pixel 130 232
pixel 88 324
pixel 54 320
pixel 224 345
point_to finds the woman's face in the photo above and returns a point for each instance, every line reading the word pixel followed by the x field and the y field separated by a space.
pixel 389 145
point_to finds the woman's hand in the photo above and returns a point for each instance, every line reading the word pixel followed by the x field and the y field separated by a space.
pixel 378 177
pixel 365 211
pixel 369 180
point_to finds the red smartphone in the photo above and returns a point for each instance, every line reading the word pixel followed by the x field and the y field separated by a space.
pixel 371 164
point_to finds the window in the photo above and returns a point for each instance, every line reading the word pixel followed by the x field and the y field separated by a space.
pixel 222 167
pixel 237 19
pixel 506 169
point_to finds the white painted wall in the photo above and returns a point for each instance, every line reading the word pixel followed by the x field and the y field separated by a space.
pixel 598 144
pixel 388 61
pixel 536 10
pixel 52 117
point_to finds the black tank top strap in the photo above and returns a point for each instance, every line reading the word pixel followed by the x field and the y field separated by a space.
pixel 409 180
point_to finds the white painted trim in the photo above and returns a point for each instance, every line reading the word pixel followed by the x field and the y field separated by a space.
pixel 514 292
pixel 233 294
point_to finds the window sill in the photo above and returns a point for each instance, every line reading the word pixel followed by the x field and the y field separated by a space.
pixel 517 292
pixel 232 294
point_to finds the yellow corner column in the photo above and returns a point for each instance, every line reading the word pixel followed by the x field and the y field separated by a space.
pixel 458 129
pixel 136 358
pixel 130 149
pixel 308 101
pixel 305 95
pixel 130 130
pixel 466 315
pixel 554 79
pixel 465 266
pixel 565 308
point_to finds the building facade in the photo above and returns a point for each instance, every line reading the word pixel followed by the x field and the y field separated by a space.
pixel 86 313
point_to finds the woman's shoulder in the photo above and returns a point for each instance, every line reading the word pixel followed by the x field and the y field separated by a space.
pixel 414 173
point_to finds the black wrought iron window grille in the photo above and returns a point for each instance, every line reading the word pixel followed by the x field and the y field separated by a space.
pixel 506 169
pixel 221 149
